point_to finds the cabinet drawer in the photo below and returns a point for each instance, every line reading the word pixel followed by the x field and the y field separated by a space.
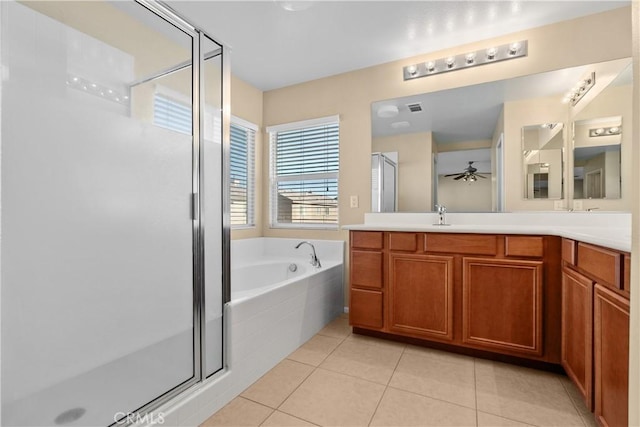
pixel 569 251
pixel 366 239
pixel 365 308
pixel 603 264
pixel 467 244
pixel 403 242
pixel 525 246
pixel 366 269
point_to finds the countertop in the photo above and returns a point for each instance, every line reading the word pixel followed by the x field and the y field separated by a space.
pixel 611 230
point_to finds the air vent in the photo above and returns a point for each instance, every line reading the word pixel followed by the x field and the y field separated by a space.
pixel 415 108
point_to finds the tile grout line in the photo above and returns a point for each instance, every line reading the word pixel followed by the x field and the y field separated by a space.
pixel 573 402
pixel 475 389
pixel 315 368
pixel 386 387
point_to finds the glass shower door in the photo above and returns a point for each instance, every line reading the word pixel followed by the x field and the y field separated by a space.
pixel 97 229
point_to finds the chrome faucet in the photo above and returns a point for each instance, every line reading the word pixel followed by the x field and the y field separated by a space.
pixel 441 209
pixel 314 258
pixel 592 209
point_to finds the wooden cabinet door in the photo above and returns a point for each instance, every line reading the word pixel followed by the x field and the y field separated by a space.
pixel 365 309
pixel 502 305
pixel 421 295
pixel 577 332
pixel 611 357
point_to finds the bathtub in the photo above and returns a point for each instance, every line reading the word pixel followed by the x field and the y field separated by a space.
pixel 273 310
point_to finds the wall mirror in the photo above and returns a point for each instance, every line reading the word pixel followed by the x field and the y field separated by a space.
pixel 542 153
pixel 491 116
pixel 599 130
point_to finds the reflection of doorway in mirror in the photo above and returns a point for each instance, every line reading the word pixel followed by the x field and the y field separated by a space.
pixel 593 184
pixel 384 182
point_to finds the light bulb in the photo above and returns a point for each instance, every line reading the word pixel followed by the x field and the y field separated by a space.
pixel 614 130
pixel 470 58
pixel 431 66
pixel 491 53
pixel 598 131
pixel 513 48
pixel 412 69
pixel 450 61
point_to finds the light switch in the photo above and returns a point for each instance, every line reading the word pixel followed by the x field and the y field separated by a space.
pixel 353 201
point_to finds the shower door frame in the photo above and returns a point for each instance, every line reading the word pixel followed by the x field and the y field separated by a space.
pixel 197 206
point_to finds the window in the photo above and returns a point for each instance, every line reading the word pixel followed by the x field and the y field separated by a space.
pixel 242 173
pixel 304 173
pixel 171 114
pixel 175 115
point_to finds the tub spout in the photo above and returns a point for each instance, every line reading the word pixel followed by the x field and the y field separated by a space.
pixel 314 258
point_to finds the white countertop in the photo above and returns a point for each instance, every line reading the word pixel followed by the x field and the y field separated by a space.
pixel 608 229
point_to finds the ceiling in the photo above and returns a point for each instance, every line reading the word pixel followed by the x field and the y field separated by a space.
pixel 272 47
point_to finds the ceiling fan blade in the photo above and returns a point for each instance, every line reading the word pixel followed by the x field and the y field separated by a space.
pixel 452 174
pixel 459 177
pixel 480 176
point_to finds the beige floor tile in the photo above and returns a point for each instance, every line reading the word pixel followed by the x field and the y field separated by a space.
pixel 364 360
pixel 277 384
pixel 490 420
pixel 339 328
pixel 587 416
pixel 332 399
pixel 239 412
pixel 401 408
pixel 522 394
pixel 280 419
pixel 314 351
pixel 444 356
pixel 438 376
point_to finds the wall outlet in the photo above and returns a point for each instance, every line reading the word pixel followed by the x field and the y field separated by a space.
pixel 577 205
pixel 353 201
pixel 558 205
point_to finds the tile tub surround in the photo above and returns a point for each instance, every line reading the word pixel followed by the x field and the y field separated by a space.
pixel 339 385
pixel 608 229
pixel 261 331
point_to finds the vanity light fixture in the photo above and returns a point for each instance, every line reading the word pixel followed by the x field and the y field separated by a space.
pixel 466 60
pixel 548 125
pixel 605 131
pixel 580 89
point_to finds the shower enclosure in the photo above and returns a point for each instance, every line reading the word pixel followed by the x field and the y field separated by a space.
pixel 114 250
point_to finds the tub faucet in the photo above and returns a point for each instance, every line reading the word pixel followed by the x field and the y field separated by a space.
pixel 314 258
pixel 441 209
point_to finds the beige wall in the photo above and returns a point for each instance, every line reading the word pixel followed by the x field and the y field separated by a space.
pixel 414 168
pixel 634 333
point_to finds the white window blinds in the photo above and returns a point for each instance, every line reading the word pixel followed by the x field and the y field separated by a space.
pixel 304 174
pixel 242 180
pixel 171 114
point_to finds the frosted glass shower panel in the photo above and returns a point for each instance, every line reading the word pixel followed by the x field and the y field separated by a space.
pixel 97 304
pixel 212 185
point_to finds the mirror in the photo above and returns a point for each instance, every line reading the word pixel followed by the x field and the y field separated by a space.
pixel 421 128
pixel 596 158
pixel 542 148
pixel 598 133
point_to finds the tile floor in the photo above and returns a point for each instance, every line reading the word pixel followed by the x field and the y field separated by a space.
pixel 340 379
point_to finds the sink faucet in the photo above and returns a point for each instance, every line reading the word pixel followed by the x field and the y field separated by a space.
pixel 314 258
pixel 592 209
pixel 441 209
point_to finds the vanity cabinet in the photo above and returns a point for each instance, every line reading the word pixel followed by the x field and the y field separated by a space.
pixel 595 327
pixel 502 306
pixel 421 295
pixel 486 292
pixel 366 297
pixel 577 332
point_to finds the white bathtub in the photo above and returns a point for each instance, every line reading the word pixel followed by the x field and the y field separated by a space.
pixel 271 313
